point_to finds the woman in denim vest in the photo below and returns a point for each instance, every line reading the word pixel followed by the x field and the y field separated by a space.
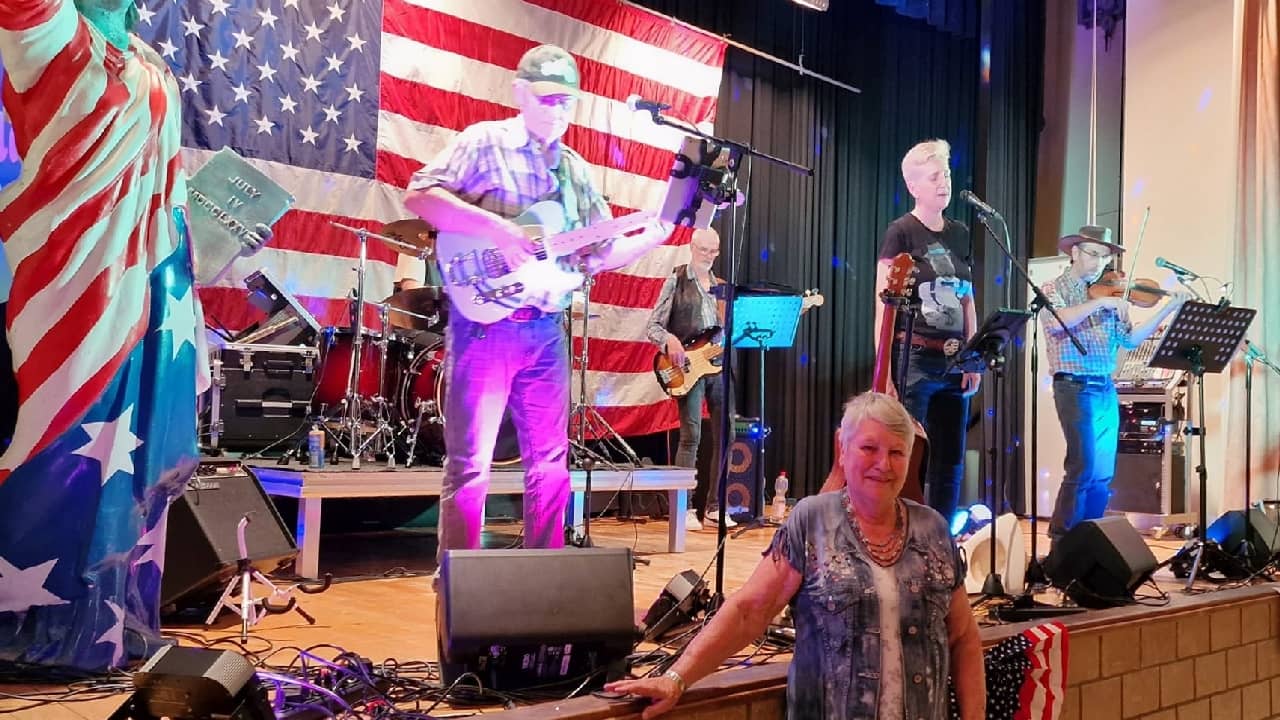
pixel 875 586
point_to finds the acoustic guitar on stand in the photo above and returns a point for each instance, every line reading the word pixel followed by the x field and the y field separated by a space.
pixel 897 292
pixel 703 354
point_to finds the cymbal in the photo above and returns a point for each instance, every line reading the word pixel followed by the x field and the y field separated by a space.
pixel 424 308
pixel 414 232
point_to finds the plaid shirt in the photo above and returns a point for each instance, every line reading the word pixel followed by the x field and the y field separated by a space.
pixel 1101 333
pixel 499 167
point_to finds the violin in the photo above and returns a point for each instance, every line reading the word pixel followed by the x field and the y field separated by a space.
pixel 1143 292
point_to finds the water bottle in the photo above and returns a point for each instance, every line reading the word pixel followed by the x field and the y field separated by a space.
pixel 780 496
pixel 315 448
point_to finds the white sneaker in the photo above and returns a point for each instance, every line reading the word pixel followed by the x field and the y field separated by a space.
pixel 691 522
pixel 713 516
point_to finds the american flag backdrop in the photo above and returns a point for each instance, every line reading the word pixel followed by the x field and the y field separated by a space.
pixel 341 101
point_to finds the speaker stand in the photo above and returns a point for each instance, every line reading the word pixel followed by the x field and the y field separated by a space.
pixel 250 609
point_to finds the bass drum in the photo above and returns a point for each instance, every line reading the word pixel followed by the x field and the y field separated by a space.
pixel 423 386
pixel 336 350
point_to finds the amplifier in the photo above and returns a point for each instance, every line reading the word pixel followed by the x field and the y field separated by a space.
pixel 1150 476
pixel 260 393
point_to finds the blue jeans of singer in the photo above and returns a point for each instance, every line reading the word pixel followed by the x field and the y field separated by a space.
pixel 710 387
pixel 524 366
pixel 935 398
pixel 1090 415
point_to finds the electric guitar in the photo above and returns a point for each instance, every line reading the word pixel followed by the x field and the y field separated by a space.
pixel 485 289
pixel 902 270
pixel 702 355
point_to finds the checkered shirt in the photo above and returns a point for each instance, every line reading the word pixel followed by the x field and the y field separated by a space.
pixel 498 166
pixel 1101 333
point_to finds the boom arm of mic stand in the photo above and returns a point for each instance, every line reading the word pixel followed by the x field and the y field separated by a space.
pixel 682 126
pixel 1041 300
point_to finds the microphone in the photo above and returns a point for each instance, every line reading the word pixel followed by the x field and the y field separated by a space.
pixel 1176 268
pixel 636 103
pixel 976 201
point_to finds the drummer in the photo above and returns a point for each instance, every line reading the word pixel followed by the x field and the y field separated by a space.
pixel 413 273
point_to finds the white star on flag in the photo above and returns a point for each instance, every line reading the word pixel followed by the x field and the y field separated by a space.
pixel 243 39
pixel 291 3
pixel 189 82
pixel 110 443
pixel 217 61
pixel 335 62
pixel 241 93
pixel 290 52
pixel 219 6
pixel 266 72
pixel 180 319
pixel 145 14
pixel 114 634
pixel 309 135
pixel 331 114
pixel 21 590
pixel 264 125
pixel 357 45
pixel 336 12
pixel 167 49
pixel 153 541
pixel 311 83
pixel 287 104
pixel 268 18
pixel 354 93
pixel 215 115
pixel 191 26
pixel 313 31
pixel 352 143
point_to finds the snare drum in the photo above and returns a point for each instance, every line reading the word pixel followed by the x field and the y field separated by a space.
pixel 423 385
pixel 336 349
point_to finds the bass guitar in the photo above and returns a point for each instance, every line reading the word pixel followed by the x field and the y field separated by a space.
pixel 897 292
pixel 703 353
pixel 485 289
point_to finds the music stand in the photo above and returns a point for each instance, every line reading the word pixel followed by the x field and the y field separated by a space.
pixel 1201 339
pixel 765 320
pixel 985 352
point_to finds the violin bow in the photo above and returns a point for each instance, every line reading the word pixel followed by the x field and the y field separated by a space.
pixel 1133 266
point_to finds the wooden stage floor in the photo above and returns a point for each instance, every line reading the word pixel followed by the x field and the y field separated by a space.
pixel 381 604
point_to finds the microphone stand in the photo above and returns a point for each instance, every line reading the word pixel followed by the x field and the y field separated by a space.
pixel 1252 354
pixel 1024 604
pixel 726 192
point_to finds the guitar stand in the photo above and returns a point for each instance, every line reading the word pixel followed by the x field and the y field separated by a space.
pixel 251 610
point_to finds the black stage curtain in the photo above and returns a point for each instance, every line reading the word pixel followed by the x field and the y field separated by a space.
pixel 917 82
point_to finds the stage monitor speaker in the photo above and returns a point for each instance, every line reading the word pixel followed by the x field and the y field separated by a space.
pixel 187 683
pixel 201 552
pixel 1011 555
pixel 1099 563
pixel 680 602
pixel 742 494
pixel 1252 538
pixel 520 618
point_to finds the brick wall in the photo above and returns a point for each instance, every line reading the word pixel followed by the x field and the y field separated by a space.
pixel 1213 661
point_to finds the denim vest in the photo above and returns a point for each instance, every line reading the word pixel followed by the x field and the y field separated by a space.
pixel 835 672
pixel 686 305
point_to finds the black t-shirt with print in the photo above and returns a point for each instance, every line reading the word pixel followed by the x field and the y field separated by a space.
pixel 943 276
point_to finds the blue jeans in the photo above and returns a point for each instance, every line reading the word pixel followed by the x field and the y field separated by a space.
pixel 523 366
pixel 710 387
pixel 1090 415
pixel 935 398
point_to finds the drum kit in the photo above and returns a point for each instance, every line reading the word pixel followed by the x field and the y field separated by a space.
pixel 380 391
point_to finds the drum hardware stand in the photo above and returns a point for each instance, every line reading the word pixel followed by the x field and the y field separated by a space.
pixel 584 414
pixel 353 403
pixel 251 610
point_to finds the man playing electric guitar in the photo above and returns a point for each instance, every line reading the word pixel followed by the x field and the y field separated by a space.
pixel 489 174
pixel 686 308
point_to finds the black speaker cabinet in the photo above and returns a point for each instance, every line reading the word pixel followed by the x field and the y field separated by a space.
pixel 1099 563
pixel 742 495
pixel 260 394
pixel 201 548
pixel 519 618
pixel 1252 538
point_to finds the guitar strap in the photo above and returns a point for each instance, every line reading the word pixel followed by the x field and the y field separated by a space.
pixel 568 196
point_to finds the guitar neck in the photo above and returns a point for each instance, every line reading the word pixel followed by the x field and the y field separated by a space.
pixel 564 243
pixel 884 350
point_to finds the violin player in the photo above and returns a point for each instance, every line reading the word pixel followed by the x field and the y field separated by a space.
pixel 1083 392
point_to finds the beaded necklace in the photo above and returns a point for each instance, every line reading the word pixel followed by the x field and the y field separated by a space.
pixel 886 552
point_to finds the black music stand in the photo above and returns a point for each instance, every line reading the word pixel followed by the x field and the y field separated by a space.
pixel 765 320
pixel 985 352
pixel 1201 339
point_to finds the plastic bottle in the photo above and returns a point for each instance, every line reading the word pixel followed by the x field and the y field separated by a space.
pixel 315 448
pixel 780 496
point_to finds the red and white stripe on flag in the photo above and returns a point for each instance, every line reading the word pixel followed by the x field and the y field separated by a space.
pixel 1045 683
